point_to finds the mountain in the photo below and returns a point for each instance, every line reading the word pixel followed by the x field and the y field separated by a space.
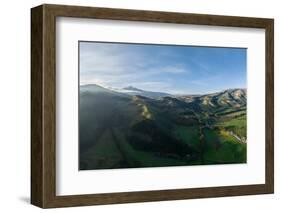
pixel 132 128
pixel 93 88
pixel 135 91
pixel 130 88
pixel 132 91
pixel 227 98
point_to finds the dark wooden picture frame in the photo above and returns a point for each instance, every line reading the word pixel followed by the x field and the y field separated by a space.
pixel 43 105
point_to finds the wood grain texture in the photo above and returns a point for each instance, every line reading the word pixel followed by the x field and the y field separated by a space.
pixel 36 106
pixel 269 106
pixel 43 105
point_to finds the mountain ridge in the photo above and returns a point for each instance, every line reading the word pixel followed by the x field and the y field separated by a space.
pixel 125 130
pixel 130 90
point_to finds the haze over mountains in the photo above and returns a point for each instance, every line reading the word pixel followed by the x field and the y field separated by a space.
pixel 226 97
pixel 130 127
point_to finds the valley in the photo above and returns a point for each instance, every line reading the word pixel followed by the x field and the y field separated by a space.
pixel 133 128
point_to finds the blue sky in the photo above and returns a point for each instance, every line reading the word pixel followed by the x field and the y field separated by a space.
pixel 164 68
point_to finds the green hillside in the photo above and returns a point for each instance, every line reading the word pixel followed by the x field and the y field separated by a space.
pixel 119 130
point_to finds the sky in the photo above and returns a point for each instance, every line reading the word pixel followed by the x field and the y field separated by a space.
pixel 173 69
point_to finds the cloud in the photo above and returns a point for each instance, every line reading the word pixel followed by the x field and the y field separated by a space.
pixel 176 69
pixel 153 85
pixel 111 65
pixel 161 68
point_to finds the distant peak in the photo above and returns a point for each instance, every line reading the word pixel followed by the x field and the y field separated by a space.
pixel 235 89
pixel 132 88
pixel 90 85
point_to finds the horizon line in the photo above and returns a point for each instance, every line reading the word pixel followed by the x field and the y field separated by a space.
pixel 169 93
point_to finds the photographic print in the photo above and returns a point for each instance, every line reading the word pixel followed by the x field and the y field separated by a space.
pixel 135 106
pixel 155 105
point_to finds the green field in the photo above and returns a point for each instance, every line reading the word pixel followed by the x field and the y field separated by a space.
pixel 237 125
pixel 223 148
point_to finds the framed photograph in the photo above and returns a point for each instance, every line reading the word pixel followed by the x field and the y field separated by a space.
pixel 137 106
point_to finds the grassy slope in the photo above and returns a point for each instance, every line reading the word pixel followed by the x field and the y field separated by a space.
pixel 144 158
pixel 223 148
pixel 188 134
pixel 104 154
pixel 108 145
pixel 236 124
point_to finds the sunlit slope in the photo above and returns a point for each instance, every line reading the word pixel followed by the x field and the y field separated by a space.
pixel 119 130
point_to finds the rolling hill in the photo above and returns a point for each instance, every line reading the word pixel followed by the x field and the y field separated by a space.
pixel 132 128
